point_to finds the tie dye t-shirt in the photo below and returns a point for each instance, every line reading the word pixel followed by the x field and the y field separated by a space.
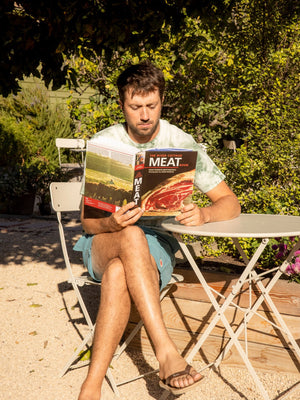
pixel 207 174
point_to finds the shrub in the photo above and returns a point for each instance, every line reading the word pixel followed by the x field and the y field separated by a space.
pixel 29 125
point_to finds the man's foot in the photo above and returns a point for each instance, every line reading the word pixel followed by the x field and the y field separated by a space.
pixel 181 379
pixel 188 374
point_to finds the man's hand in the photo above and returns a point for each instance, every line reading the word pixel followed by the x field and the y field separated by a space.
pixel 192 215
pixel 125 216
pixel 225 206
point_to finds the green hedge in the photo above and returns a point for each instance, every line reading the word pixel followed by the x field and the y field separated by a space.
pixel 224 81
pixel 228 78
pixel 29 125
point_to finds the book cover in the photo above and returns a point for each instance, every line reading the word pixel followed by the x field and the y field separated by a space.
pixel 158 180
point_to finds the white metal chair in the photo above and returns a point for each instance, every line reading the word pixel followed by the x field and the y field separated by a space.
pixel 75 145
pixel 66 197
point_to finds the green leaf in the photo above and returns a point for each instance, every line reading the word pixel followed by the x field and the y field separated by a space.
pixel 85 355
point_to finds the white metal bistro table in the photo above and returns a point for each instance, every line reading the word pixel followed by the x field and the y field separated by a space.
pixel 259 226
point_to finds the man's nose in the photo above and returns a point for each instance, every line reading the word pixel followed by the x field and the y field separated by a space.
pixel 144 115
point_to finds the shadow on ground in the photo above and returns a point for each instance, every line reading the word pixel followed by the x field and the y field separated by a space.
pixel 28 239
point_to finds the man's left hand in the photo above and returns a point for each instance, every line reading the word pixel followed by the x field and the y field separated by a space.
pixel 191 215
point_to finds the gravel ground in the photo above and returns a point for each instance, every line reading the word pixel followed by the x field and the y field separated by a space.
pixel 37 334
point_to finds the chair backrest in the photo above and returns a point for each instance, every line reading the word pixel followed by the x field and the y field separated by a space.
pixel 65 196
pixel 77 145
pixel 70 143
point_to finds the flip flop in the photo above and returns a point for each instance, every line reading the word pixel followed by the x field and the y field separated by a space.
pixel 165 383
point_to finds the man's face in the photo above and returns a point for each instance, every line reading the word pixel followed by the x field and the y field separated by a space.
pixel 142 114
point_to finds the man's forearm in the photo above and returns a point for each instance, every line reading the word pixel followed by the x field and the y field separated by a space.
pixel 94 226
pixel 225 208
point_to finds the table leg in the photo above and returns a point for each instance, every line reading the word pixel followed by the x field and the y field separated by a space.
pixel 221 309
pixel 264 297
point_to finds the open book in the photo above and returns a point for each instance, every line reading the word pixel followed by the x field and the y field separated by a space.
pixel 158 180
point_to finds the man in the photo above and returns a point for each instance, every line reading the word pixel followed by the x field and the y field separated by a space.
pixel 133 261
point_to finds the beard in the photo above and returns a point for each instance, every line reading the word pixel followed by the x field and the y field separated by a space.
pixel 144 134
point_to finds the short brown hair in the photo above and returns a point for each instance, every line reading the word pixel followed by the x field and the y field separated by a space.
pixel 142 78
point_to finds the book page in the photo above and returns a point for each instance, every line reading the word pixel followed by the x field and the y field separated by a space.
pixel 109 174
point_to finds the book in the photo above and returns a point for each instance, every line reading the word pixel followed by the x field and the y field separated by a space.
pixel 158 180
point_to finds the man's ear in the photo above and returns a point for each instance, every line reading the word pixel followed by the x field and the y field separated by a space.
pixel 121 105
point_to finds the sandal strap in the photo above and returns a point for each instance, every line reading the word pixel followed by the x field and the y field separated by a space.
pixel 186 371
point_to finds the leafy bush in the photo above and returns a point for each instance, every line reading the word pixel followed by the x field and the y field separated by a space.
pixel 29 125
pixel 233 78
pixel 232 73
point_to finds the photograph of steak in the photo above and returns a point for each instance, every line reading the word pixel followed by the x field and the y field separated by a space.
pixel 170 195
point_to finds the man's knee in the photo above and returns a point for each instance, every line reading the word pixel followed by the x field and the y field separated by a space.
pixel 114 274
pixel 133 237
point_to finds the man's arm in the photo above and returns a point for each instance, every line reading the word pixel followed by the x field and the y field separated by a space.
pixel 125 216
pixel 225 206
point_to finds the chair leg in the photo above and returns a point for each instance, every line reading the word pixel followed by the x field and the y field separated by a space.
pixel 75 355
pixel 83 344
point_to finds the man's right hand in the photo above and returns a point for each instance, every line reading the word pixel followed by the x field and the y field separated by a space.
pixel 125 216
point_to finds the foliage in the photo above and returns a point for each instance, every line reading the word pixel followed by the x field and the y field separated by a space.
pixel 29 125
pixel 239 79
pixel 264 172
pixel 218 88
pixel 250 91
pixel 283 248
pixel 35 34
pixel 293 269
pixel 232 71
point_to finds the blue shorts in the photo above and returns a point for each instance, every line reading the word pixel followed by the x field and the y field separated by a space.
pixel 162 247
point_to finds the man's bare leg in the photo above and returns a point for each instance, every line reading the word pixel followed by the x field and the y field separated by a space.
pixel 131 247
pixel 142 282
pixel 111 322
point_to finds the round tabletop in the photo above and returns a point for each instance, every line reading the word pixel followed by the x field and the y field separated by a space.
pixel 246 225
